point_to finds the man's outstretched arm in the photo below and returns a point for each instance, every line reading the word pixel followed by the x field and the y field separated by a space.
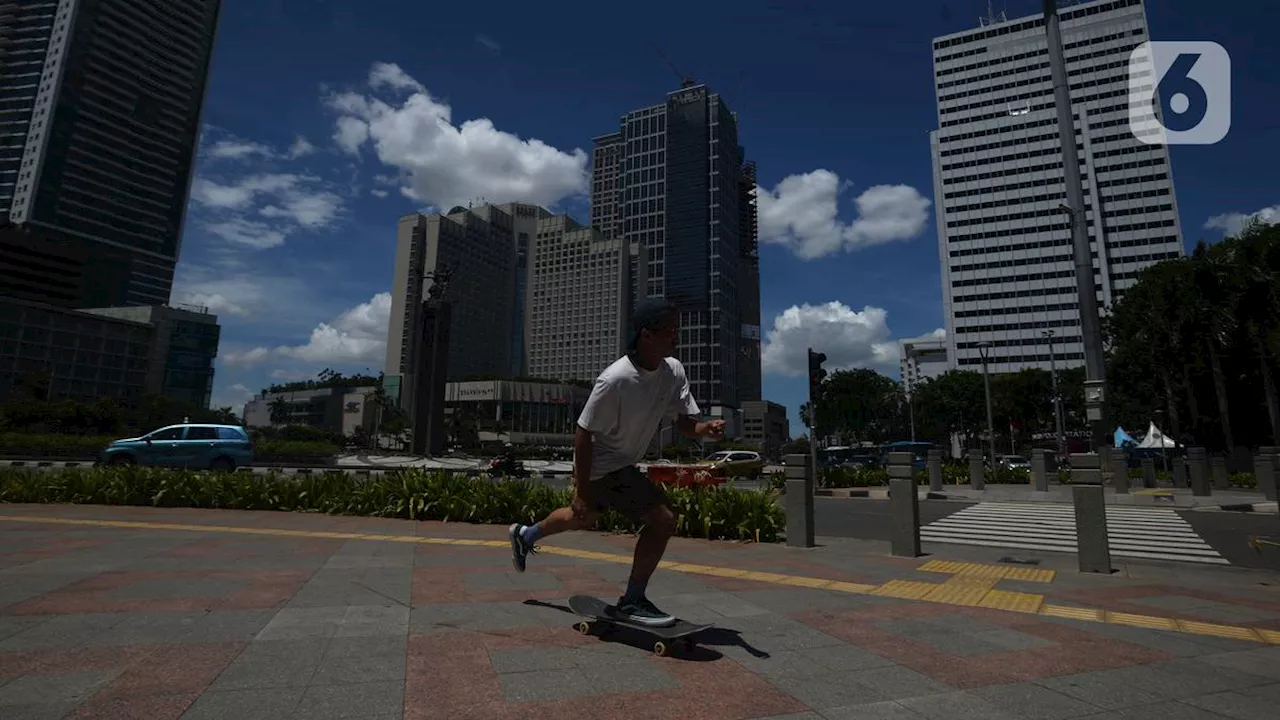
pixel 691 427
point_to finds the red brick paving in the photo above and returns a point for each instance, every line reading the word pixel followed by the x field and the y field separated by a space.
pixel 1074 650
pixel 450 676
pixel 264 589
pixel 161 684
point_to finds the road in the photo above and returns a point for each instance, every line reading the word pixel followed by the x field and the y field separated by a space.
pixel 869 519
pixel 1161 534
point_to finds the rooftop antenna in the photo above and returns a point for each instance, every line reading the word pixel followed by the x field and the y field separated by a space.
pixel 686 81
pixel 992 16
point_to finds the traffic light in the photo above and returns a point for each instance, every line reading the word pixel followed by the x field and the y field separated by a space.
pixel 816 374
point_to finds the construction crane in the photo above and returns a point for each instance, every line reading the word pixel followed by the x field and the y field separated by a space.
pixel 686 81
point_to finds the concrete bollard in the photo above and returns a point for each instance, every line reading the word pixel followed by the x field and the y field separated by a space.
pixel 1039 470
pixel 977 473
pixel 904 505
pixel 798 469
pixel 1093 548
pixel 1148 472
pixel 1221 481
pixel 935 470
pixel 1120 472
pixel 1198 467
pixel 1179 472
pixel 1085 469
pixel 1265 467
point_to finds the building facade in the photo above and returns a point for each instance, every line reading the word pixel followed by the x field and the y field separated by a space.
pixel 184 346
pixel 336 409
pixel 477 246
pixel 577 316
pixel 521 413
pixel 921 359
pixel 668 183
pixel 764 424
pixel 1004 237
pixel 120 353
pixel 102 108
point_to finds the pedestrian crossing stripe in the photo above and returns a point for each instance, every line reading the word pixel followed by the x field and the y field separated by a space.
pixel 1146 533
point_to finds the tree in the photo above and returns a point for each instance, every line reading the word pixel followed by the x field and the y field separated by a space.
pixel 1199 334
pixel 279 409
pixel 860 406
pixel 952 402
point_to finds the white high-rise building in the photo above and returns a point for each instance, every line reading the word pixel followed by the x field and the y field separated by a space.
pixel 577 301
pixel 1004 238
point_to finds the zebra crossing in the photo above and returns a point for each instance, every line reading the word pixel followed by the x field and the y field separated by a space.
pixel 1149 533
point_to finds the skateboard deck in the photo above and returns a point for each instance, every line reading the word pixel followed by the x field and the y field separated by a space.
pixel 598 611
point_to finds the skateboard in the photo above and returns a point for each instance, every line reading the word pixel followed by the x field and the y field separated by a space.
pixel 596 611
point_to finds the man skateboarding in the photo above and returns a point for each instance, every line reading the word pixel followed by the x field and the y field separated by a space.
pixel 629 401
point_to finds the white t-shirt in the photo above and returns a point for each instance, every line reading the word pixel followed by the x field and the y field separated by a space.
pixel 626 407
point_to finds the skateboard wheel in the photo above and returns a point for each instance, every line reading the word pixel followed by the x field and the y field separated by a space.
pixel 584 628
pixel 660 649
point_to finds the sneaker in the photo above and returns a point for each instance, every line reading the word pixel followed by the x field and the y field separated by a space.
pixel 520 550
pixel 643 612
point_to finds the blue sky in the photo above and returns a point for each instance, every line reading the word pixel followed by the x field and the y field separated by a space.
pixel 326 120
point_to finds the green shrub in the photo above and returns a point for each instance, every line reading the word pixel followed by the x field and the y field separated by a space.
pixel 852 477
pixel 1008 476
pixel 712 512
pixel 1243 480
pixel 293 451
pixel 52 446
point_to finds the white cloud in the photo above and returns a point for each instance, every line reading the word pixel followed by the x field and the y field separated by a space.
pixel 245 195
pixel 301 148
pixel 490 43
pixel 802 213
pixel 229 287
pixel 233 149
pixel 939 334
pixel 850 339
pixel 262 210
pixel 1232 223
pixel 443 164
pixel 357 336
pixel 233 397
pixel 378 193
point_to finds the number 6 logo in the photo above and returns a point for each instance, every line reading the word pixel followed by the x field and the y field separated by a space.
pixel 1179 93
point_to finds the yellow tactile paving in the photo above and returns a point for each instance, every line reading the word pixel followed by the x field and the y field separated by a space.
pixel 904 589
pixel 1142 621
pixel 961 590
pixel 1074 613
pixel 999 572
pixel 971 584
pixel 1012 601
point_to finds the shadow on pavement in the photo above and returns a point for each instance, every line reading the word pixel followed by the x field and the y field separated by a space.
pixel 712 636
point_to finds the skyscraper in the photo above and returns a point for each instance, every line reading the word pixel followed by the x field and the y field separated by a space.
pixel 577 301
pixel 1004 237
pixel 101 115
pixel 669 183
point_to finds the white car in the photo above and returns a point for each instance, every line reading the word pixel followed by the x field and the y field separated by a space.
pixel 1015 462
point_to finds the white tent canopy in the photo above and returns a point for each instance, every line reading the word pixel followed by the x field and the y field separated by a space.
pixel 1156 439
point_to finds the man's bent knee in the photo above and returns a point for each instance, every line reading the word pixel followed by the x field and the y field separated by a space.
pixel 661 519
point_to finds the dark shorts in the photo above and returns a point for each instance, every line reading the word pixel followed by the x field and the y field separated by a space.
pixel 628 491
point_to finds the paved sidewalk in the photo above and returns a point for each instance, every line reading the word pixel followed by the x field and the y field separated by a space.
pixel 166 613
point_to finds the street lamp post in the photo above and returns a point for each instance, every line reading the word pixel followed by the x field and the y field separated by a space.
pixel 986 382
pixel 1057 397
pixel 1090 320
